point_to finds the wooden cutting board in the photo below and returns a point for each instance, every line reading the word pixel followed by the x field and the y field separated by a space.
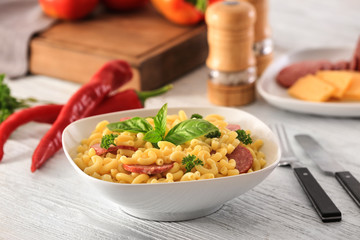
pixel 157 50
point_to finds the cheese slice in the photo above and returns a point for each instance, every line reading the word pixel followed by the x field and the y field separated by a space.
pixel 311 88
pixel 340 80
pixel 353 92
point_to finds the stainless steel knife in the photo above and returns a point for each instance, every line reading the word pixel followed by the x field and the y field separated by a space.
pixel 330 166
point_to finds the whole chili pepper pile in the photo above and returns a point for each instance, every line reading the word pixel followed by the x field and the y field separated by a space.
pixel 82 104
pixel 184 12
pixel 124 100
pixel 110 77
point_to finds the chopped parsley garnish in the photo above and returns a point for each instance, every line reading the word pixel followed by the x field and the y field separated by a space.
pixel 243 137
pixel 215 134
pixel 108 140
pixel 190 162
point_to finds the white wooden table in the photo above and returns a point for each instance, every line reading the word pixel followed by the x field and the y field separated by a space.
pixel 54 203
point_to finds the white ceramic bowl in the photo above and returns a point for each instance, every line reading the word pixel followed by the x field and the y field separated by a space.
pixel 180 200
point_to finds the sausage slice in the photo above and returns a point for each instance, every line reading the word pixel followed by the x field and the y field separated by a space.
pixel 341 65
pixel 148 169
pixel 290 74
pixel 233 127
pixel 355 62
pixel 243 158
pixel 113 149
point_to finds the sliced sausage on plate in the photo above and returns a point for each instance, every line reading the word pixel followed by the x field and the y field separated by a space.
pixel 355 62
pixel 341 65
pixel 290 74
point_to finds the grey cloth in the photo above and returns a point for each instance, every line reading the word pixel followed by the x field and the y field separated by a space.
pixel 19 21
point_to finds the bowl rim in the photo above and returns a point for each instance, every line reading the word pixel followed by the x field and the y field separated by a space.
pixel 227 178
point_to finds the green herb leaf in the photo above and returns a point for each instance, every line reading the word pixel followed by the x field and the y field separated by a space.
pixel 160 121
pixel 243 137
pixel 190 162
pixel 215 134
pixel 135 125
pixel 189 129
pixel 181 133
pixel 108 140
pixel 199 4
pixel 153 136
pixel 197 116
pixel 8 104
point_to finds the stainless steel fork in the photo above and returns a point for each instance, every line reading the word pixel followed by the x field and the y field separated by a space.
pixel 287 154
pixel 322 203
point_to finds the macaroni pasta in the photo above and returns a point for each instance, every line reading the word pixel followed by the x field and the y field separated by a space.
pixel 213 152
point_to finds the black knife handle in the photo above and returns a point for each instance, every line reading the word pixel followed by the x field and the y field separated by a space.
pixel 350 184
pixel 322 203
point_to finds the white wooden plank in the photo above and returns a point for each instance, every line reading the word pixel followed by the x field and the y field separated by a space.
pixel 54 203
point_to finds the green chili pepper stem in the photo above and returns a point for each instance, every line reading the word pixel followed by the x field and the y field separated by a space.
pixel 27 102
pixel 146 94
pixel 200 5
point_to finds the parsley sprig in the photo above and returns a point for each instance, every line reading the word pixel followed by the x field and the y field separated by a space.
pixel 190 162
pixel 243 137
pixel 199 4
pixel 8 103
pixel 108 140
pixel 215 134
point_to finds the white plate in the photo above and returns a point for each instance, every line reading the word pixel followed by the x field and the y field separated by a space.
pixel 179 200
pixel 277 96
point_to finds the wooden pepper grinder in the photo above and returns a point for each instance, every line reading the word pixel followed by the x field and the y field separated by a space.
pixel 231 58
pixel 263 45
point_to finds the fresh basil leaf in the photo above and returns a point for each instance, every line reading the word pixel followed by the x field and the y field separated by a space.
pixel 135 125
pixel 153 136
pixel 160 121
pixel 189 129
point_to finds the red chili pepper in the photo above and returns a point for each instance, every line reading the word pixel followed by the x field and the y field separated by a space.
pixel 179 11
pixel 128 99
pixel 124 100
pixel 109 78
pixel 213 1
pixel 41 114
pixel 125 5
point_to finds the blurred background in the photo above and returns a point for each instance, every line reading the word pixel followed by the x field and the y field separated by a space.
pixel 162 40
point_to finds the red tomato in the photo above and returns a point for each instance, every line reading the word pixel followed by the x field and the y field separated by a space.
pixel 214 1
pixel 125 4
pixel 68 9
